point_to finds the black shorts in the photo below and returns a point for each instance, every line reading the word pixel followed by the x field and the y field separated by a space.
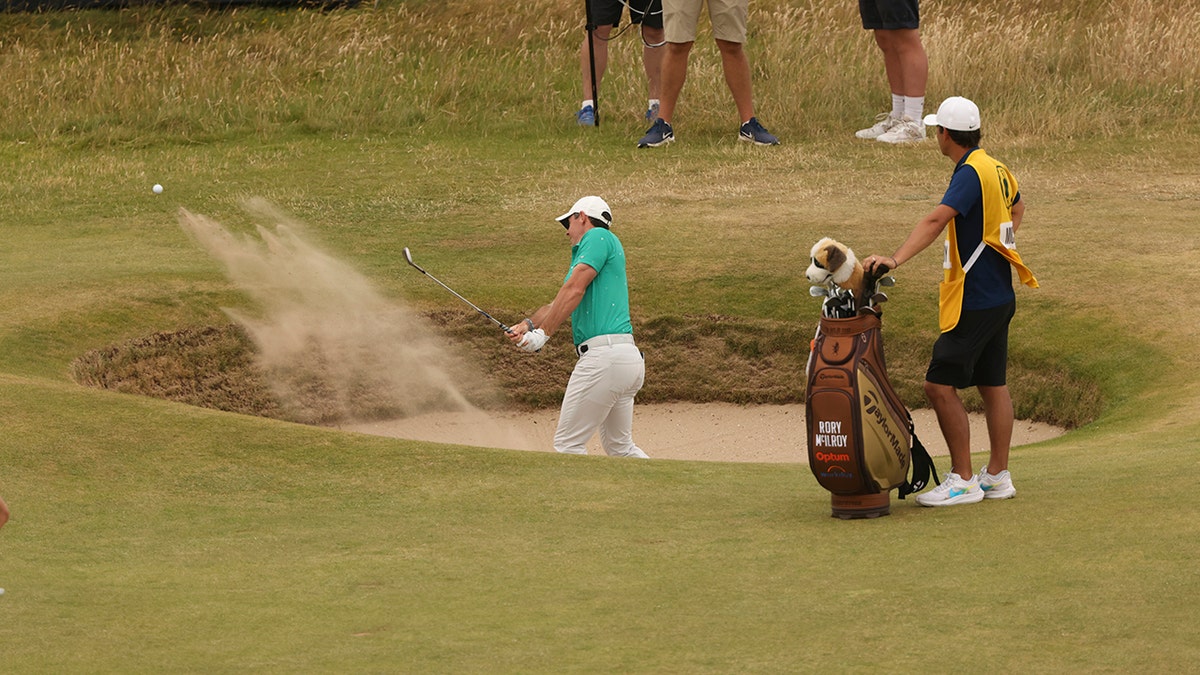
pixel 889 14
pixel 645 12
pixel 975 352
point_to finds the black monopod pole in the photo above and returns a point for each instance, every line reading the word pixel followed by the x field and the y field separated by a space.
pixel 591 29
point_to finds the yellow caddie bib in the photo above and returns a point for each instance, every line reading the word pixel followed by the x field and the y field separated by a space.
pixel 999 190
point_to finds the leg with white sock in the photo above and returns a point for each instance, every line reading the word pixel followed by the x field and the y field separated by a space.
pixel 907 69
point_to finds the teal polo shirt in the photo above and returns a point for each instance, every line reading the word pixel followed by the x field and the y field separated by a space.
pixel 604 309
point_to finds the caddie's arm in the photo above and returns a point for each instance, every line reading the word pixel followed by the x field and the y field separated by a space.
pixel 925 233
pixel 1018 212
pixel 551 316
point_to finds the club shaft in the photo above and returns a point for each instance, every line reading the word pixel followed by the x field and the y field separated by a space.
pixel 408 258
pixel 464 299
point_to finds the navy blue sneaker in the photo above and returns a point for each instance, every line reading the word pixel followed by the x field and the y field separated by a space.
pixel 586 117
pixel 659 134
pixel 755 133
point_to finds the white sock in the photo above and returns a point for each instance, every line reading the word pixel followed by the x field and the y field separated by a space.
pixel 897 106
pixel 586 103
pixel 653 102
pixel 914 107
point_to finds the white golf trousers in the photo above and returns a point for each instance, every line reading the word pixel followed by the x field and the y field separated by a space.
pixel 600 396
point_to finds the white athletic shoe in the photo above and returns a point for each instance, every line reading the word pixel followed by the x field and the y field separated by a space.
pixel 883 123
pixel 906 130
pixel 996 487
pixel 953 490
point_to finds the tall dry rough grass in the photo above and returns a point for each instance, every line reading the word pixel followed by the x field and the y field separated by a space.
pixel 183 73
pixel 1074 69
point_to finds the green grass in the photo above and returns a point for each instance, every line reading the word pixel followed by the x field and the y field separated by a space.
pixel 182 539
pixel 151 536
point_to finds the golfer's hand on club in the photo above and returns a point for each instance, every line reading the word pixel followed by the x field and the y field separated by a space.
pixel 529 340
pixel 532 340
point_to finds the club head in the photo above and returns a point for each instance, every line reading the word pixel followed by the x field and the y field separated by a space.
pixel 887 281
pixel 408 257
pixel 817 291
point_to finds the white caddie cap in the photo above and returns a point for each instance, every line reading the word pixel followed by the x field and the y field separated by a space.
pixel 955 113
pixel 590 206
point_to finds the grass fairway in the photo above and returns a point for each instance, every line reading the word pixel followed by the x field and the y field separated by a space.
pixel 150 536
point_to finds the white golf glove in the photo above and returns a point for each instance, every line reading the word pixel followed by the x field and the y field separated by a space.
pixel 534 340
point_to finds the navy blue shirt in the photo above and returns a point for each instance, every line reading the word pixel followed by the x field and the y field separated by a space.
pixel 989 281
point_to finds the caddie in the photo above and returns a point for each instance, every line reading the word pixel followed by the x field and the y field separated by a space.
pixel 980 212
pixel 610 370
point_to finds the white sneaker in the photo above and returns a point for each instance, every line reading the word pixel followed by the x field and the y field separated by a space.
pixel 996 487
pixel 906 130
pixel 883 122
pixel 953 490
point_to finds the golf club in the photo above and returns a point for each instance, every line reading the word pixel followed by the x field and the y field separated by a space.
pixel 408 257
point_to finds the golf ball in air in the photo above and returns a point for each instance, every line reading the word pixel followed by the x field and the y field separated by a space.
pixel 157 189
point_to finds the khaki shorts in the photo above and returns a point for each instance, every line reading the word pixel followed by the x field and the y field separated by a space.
pixel 728 19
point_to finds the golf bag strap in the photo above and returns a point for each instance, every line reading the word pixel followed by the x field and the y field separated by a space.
pixel 922 466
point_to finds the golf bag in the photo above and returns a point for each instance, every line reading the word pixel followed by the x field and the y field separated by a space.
pixel 861 440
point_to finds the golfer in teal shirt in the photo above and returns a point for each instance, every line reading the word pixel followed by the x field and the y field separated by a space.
pixel 610 370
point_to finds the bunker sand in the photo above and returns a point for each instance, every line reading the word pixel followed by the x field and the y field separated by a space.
pixel 714 432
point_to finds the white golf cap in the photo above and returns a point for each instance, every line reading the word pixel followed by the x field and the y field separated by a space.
pixel 955 113
pixel 590 206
